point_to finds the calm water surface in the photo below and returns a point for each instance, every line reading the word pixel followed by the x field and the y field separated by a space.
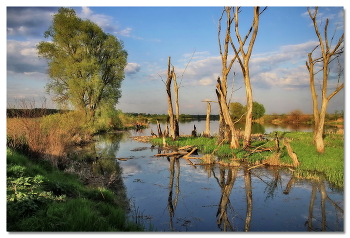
pixel 168 194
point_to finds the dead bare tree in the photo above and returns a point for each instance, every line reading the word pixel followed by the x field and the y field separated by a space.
pixel 177 107
pixel 221 86
pixel 327 56
pixel 243 57
pixel 170 75
pixel 176 90
pixel 174 131
pixel 207 122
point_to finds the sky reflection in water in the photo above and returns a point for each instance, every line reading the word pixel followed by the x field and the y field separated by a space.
pixel 175 196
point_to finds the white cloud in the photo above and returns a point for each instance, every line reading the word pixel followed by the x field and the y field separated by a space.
pixel 132 68
pixel 29 52
pixel 107 23
pixel 284 68
pixel 125 32
pixel 86 12
pixel 203 82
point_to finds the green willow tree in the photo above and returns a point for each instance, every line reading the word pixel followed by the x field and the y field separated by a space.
pixel 85 65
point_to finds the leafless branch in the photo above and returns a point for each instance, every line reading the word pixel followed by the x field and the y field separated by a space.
pixel 194 51
pixel 340 70
pixel 263 10
pixel 232 91
pixel 219 31
pixel 240 118
pixel 161 78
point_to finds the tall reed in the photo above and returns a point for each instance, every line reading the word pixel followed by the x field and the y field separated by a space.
pixel 48 136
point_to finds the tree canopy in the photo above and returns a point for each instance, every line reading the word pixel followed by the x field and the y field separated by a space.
pixel 85 65
pixel 258 110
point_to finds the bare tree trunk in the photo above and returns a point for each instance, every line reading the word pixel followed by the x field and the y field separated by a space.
pixel 327 56
pixel 166 130
pixel 249 116
pixel 160 134
pixel 170 104
pixel 319 130
pixel 221 87
pixel 177 108
pixel 207 122
pixel 244 63
pixel 226 114
pixel 291 154
pixel 222 123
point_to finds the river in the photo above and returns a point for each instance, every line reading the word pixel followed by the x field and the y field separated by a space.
pixel 169 194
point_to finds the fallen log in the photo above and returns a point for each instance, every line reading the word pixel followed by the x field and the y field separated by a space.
pixel 186 147
pixel 189 153
pixel 183 152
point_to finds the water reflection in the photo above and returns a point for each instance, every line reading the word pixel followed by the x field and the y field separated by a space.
pixel 173 202
pixel 217 197
pixel 313 223
pixel 226 180
pixel 266 128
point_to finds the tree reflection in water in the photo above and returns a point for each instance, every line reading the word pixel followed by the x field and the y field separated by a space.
pixel 283 200
pixel 172 203
pixel 226 181
pixel 320 186
pixel 227 177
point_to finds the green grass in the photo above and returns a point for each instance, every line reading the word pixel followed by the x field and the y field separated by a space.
pixel 40 198
pixel 208 145
pixel 330 164
pixel 78 215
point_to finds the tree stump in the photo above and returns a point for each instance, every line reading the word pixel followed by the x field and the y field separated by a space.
pixel 291 153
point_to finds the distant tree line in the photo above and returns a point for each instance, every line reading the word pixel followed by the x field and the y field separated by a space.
pixel 163 117
pixel 32 113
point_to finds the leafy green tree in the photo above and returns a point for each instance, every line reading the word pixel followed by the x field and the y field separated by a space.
pixel 85 65
pixel 237 110
pixel 258 110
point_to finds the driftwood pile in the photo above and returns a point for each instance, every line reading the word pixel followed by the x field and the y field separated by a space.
pixel 186 151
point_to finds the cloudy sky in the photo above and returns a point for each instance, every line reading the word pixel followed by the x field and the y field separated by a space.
pixel 189 35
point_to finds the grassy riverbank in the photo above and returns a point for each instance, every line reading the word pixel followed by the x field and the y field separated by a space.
pixel 42 198
pixel 330 164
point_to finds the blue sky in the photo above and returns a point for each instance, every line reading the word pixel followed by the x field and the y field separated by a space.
pixel 152 34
